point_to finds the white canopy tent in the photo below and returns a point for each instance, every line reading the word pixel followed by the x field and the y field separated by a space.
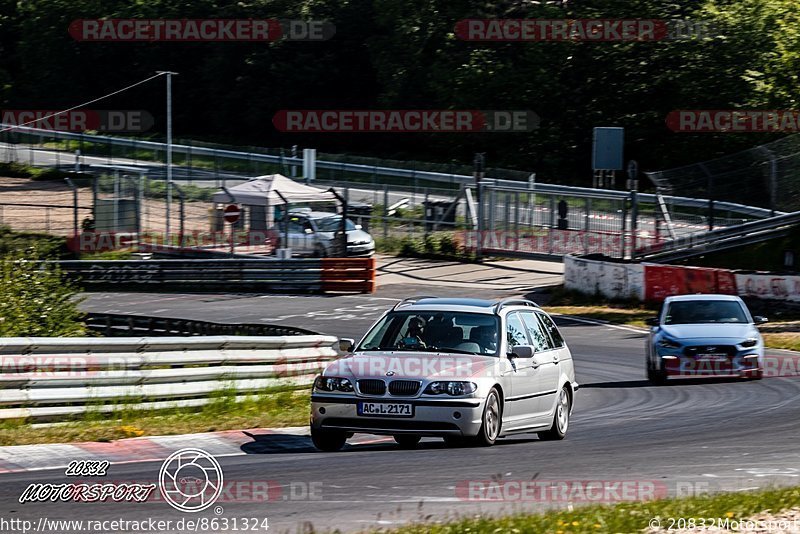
pixel 268 190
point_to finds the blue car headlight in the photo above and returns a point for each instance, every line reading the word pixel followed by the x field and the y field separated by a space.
pixel 667 343
pixel 752 342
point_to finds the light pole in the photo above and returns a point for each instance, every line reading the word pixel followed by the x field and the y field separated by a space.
pixel 169 145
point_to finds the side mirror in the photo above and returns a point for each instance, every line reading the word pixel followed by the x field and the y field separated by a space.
pixel 521 351
pixel 760 320
pixel 346 344
pixel 308 231
pixel 359 227
pixel 651 321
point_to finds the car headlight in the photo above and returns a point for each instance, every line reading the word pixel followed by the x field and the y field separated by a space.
pixel 668 343
pixel 454 389
pixel 752 342
pixel 333 383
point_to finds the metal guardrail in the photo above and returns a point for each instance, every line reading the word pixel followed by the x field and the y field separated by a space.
pixel 115 325
pixel 53 378
pixel 351 275
pixel 724 238
pixel 453 179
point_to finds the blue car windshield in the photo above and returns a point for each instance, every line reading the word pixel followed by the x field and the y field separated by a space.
pixel 705 311
pixel 456 332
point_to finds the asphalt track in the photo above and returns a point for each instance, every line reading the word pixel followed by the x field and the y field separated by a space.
pixel 688 437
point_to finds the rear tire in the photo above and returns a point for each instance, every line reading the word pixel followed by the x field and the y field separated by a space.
pixel 560 418
pixel 492 419
pixel 328 440
pixel 407 441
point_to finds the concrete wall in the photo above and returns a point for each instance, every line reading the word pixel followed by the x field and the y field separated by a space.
pixel 655 282
pixel 612 280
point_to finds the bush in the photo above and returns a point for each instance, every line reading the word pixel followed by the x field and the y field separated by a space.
pixel 411 248
pixel 36 299
pixel 431 244
pixel 448 245
pixel 46 245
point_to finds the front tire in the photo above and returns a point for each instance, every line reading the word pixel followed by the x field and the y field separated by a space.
pixel 560 418
pixel 491 421
pixel 657 377
pixel 328 440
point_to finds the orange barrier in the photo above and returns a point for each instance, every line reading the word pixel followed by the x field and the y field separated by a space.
pixel 350 275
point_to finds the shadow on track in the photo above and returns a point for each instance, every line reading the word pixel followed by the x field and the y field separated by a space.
pixel 624 384
pixel 277 443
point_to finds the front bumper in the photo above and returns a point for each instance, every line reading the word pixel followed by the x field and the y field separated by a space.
pixel 432 417
pixel 743 365
pixel 360 251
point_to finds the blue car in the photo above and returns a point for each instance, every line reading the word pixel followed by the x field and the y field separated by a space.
pixel 704 335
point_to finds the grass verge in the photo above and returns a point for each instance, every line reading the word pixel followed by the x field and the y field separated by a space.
pixel 625 517
pixel 276 407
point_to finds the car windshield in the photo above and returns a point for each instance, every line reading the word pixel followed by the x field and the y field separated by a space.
pixel 705 311
pixel 333 224
pixel 463 333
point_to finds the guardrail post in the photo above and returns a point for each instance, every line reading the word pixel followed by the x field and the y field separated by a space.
pixel 385 211
pixel 74 205
pixel 552 223
pixel 624 227
pixel 634 221
pixel 588 209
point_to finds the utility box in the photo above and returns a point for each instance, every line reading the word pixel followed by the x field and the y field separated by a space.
pixel 439 212
pixel 116 215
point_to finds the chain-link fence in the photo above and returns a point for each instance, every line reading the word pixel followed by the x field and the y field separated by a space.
pixel 766 176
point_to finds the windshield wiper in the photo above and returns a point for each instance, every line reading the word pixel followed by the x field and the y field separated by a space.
pixel 457 351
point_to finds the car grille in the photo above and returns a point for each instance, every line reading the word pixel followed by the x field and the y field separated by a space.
pixel 404 388
pixel 730 350
pixel 370 386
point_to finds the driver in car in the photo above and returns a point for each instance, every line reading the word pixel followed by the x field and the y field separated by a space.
pixel 413 337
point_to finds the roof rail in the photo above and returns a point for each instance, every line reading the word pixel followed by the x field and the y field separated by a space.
pixel 513 301
pixel 412 300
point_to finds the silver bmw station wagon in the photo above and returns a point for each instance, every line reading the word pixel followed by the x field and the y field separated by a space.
pixel 467 370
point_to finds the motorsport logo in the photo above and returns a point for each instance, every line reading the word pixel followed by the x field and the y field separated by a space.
pixel 190 480
pixel 733 121
pixel 200 30
pixel 539 30
pixel 80 120
pixel 405 121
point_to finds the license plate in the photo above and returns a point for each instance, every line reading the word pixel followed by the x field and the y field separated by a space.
pixel 385 409
pixel 713 357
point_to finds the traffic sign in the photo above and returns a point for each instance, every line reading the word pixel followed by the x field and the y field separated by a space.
pixel 232 213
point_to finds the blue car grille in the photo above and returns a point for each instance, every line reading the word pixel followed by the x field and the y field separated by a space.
pixel 693 351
